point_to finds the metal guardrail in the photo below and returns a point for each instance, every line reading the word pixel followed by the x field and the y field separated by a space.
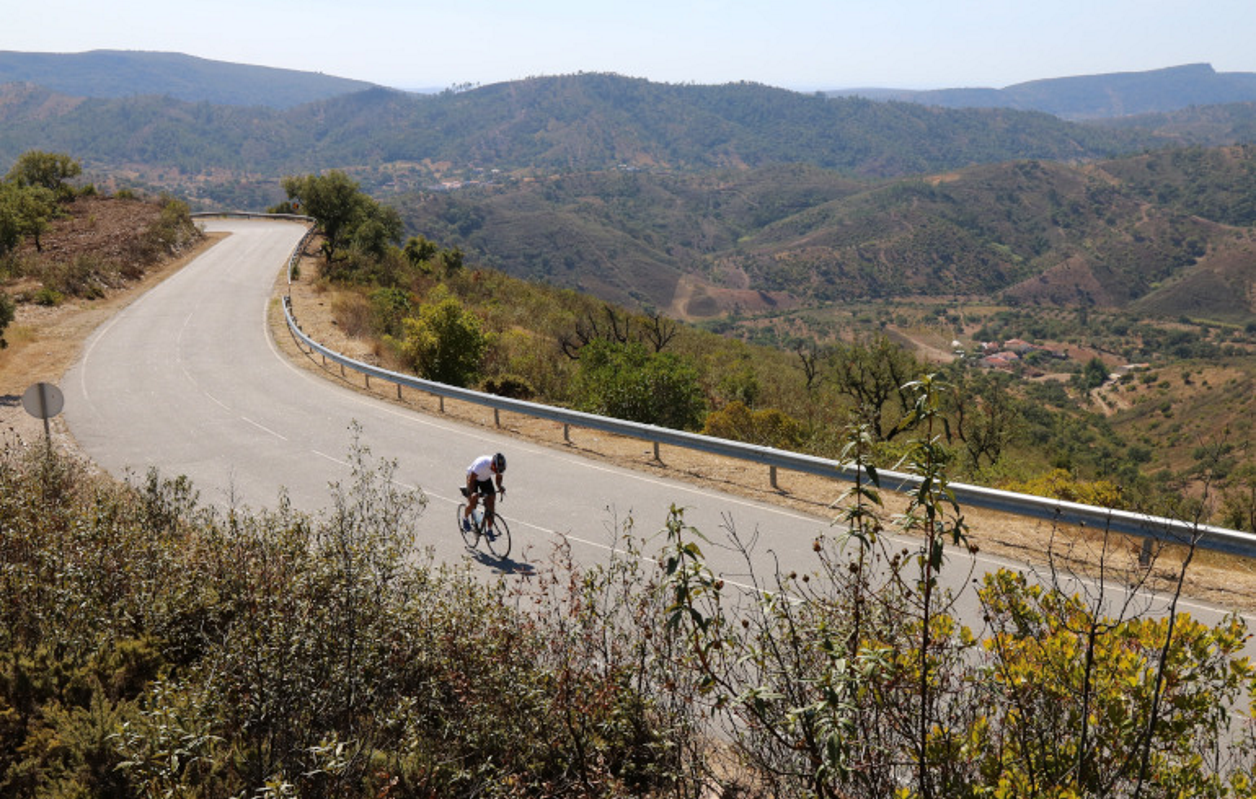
pixel 1151 528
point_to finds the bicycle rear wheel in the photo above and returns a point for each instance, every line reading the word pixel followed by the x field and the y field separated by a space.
pixel 472 536
pixel 499 538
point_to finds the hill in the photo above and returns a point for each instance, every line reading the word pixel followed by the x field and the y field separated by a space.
pixel 1157 229
pixel 118 73
pixel 584 122
pixel 1117 94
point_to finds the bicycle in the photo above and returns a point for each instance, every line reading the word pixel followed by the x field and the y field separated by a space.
pixel 497 535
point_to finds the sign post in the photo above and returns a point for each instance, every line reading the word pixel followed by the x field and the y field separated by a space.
pixel 44 401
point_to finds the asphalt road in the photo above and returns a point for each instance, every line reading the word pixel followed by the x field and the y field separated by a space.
pixel 187 380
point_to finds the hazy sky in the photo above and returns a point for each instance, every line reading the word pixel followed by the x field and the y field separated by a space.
pixel 801 44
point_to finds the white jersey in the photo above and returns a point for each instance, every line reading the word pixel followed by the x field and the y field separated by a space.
pixel 482 468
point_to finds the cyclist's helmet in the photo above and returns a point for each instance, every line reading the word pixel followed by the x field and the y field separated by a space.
pixel 499 463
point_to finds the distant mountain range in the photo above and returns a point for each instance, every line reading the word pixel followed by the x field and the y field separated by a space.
pixel 1118 94
pixel 555 124
pixel 119 73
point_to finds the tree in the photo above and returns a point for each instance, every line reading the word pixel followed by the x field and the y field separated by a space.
pixel 986 415
pixel 451 260
pixel 24 211
pixel 626 381
pixel 1094 373
pixel 346 216
pixel 376 227
pixel 875 375
pixel 331 199
pixel 45 170
pixel 8 310
pixel 445 343
pixel 419 250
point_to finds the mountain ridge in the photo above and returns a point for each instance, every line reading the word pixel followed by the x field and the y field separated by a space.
pixel 1088 97
pixel 590 121
pixel 126 73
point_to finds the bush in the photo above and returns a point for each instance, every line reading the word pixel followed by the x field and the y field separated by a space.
pixel 152 647
pixel 626 381
pixel 1061 484
pixel 768 427
pixel 47 296
pixel 389 306
pixel 445 343
pixel 511 386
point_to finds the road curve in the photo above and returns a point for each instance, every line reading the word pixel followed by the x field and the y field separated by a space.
pixel 187 380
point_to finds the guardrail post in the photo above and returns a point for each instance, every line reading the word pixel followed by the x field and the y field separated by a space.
pixel 656 452
pixel 342 370
pixel 772 476
pixel 398 391
pixel 567 433
pixel 368 380
pixel 1144 556
pixel 442 403
pixel 497 418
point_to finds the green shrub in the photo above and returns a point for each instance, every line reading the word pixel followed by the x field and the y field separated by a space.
pixel 626 381
pixel 511 386
pixel 149 646
pixel 47 296
pixel 8 311
pixel 767 427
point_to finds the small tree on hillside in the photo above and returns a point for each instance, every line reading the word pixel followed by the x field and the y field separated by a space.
pixel 445 343
pixel 626 381
pixel 874 375
pixel 419 251
pixel 347 217
pixel 24 211
pixel 45 170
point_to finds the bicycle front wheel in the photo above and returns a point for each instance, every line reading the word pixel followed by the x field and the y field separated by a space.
pixel 499 539
pixel 472 536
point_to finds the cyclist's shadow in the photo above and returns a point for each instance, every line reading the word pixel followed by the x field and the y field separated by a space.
pixel 504 565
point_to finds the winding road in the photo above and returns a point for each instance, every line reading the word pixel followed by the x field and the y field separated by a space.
pixel 187 380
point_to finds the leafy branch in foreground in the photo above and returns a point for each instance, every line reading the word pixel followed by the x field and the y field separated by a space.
pixel 857 679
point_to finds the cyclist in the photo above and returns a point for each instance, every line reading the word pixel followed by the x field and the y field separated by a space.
pixel 480 475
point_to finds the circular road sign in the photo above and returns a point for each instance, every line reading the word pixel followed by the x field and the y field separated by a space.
pixel 43 400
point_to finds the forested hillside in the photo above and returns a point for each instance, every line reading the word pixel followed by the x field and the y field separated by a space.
pixel 578 122
pixel 1039 232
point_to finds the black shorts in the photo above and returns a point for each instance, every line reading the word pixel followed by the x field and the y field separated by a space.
pixel 484 488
